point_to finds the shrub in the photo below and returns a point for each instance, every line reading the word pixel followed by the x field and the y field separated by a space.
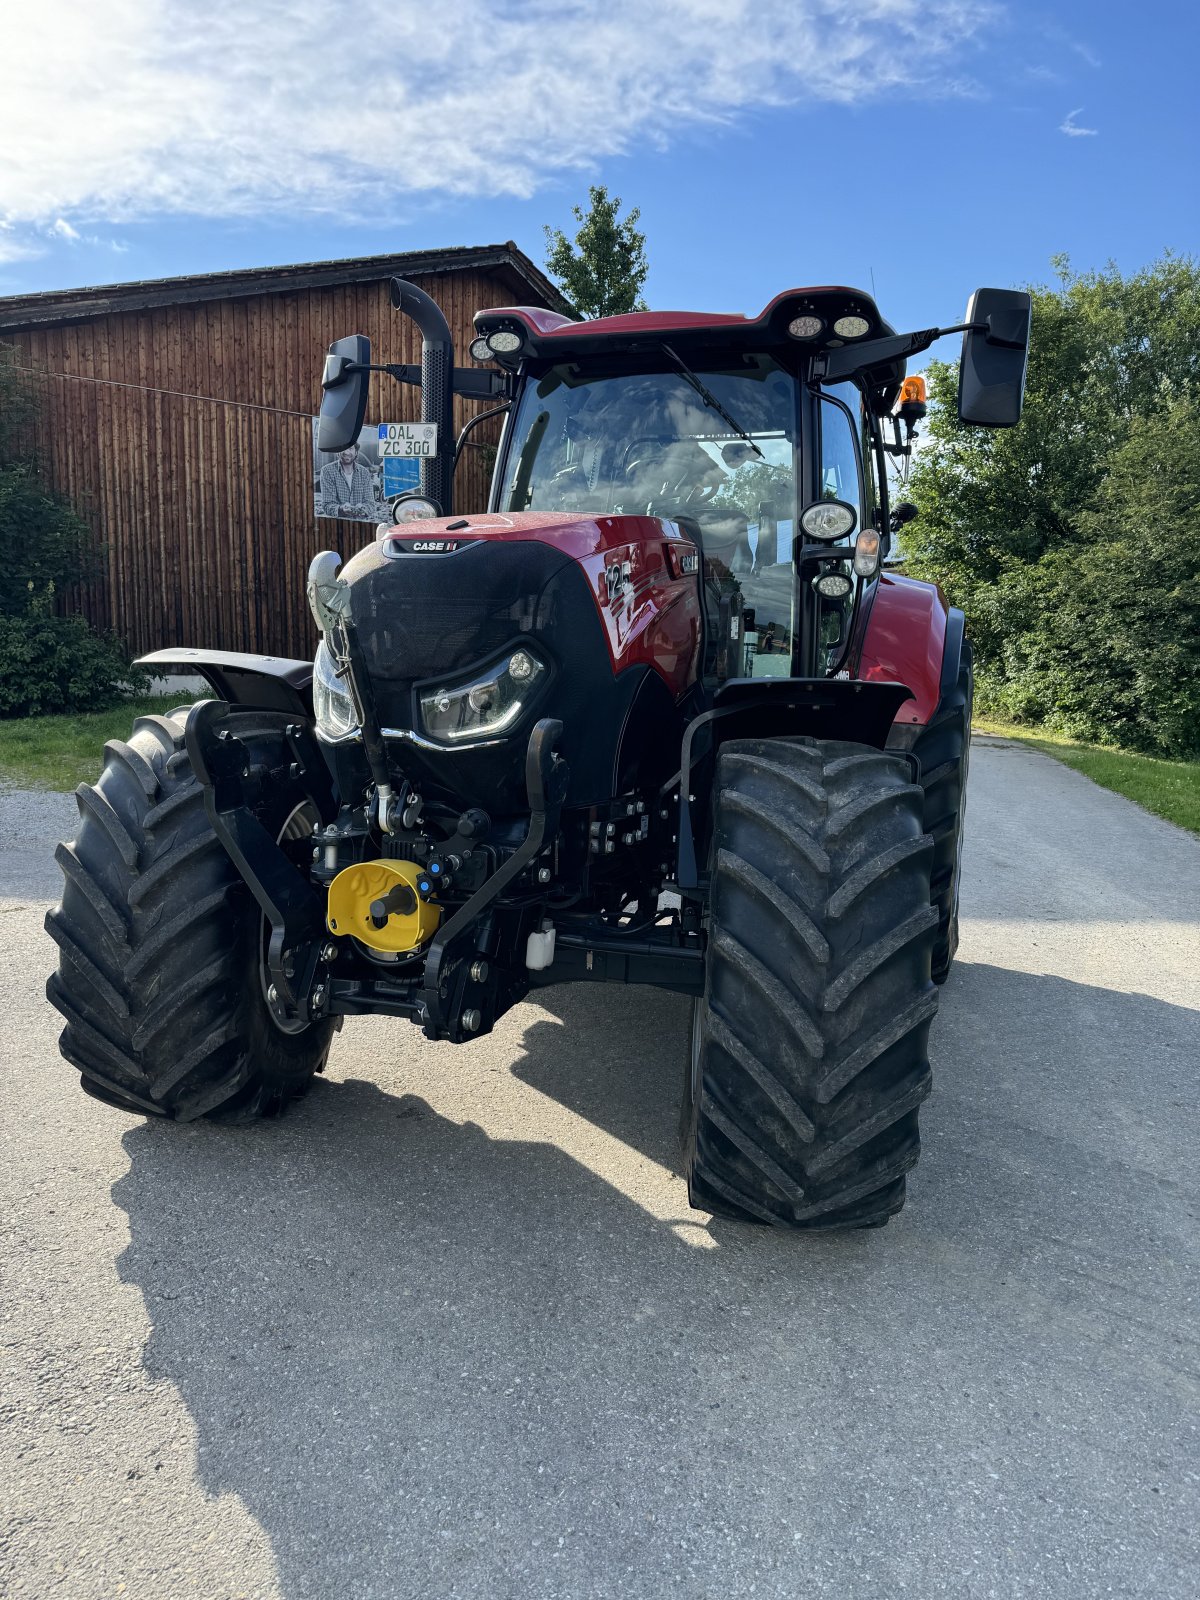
pixel 1073 541
pixel 50 663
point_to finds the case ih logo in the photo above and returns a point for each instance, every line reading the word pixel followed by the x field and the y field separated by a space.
pixel 422 547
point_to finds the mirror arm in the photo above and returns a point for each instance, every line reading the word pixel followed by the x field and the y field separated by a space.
pixel 897 446
pixel 474 384
pixel 479 383
pixel 831 366
pixel 405 374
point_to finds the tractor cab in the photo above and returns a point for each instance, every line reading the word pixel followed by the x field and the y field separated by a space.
pixel 720 425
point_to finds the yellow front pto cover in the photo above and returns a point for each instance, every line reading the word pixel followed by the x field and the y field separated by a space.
pixel 380 903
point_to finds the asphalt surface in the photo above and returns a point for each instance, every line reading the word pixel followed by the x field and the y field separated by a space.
pixel 449 1328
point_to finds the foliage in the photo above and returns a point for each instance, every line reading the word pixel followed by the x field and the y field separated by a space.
pixel 42 541
pixel 755 489
pixel 48 662
pixel 1072 541
pixel 602 273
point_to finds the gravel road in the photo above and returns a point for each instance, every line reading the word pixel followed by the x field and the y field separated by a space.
pixel 449 1328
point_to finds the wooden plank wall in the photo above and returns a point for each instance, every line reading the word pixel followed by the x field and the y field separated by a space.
pixel 204 510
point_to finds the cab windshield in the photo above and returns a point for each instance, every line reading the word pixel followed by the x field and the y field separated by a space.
pixel 648 444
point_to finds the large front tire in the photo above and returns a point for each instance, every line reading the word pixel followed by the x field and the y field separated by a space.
pixel 161 943
pixel 809 1052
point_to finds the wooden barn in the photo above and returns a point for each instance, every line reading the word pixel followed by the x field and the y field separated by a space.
pixel 176 417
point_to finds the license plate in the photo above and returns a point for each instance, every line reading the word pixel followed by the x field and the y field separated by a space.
pixel 407 439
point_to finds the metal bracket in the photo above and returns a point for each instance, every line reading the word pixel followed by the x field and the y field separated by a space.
pixel 290 903
pixel 546 786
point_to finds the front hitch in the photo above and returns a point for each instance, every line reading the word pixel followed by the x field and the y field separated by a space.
pixel 464 990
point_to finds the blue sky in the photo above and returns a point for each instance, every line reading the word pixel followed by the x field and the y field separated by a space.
pixel 768 142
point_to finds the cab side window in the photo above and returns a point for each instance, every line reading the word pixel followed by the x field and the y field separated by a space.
pixel 841 477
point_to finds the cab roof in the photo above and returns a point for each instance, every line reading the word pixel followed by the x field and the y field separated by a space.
pixel 550 336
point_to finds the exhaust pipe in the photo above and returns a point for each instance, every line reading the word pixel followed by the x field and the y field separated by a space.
pixel 437 392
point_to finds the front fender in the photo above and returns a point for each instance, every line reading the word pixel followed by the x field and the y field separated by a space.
pixel 272 683
pixel 771 708
pixel 912 636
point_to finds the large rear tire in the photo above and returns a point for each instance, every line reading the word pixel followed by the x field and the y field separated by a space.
pixel 160 973
pixel 943 749
pixel 809 1050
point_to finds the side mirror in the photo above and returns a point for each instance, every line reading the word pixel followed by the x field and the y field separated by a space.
pixel 900 514
pixel 991 373
pixel 344 392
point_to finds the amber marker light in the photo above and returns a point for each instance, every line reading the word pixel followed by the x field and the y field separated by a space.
pixel 866 552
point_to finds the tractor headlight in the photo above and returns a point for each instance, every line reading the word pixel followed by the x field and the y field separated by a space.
pixel 333 706
pixel 484 705
pixel 414 507
pixel 828 520
pixel 833 585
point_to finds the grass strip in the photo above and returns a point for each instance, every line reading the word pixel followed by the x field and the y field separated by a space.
pixel 64 751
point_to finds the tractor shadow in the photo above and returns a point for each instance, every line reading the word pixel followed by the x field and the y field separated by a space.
pixel 435 1363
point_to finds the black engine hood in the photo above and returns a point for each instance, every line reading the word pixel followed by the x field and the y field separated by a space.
pixel 425 616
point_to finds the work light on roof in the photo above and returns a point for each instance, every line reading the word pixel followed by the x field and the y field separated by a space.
pixel 504 342
pixel 851 327
pixel 806 327
pixel 480 350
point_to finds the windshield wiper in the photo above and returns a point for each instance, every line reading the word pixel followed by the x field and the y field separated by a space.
pixel 711 400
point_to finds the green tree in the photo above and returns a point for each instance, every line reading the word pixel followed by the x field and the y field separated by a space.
pixel 603 271
pixel 1067 539
pixel 48 662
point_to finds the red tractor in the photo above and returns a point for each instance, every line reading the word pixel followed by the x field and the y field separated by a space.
pixel 660 715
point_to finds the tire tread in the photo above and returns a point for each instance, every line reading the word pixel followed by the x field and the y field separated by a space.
pixel 810 1055
pixel 158 979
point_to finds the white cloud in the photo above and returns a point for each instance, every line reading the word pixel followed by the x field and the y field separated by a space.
pixel 16 246
pixel 145 108
pixel 1071 128
pixel 62 229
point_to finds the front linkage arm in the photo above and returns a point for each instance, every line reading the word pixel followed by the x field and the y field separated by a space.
pixel 463 991
pixel 292 906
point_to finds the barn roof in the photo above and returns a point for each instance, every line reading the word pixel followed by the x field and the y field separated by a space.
pixel 81 305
